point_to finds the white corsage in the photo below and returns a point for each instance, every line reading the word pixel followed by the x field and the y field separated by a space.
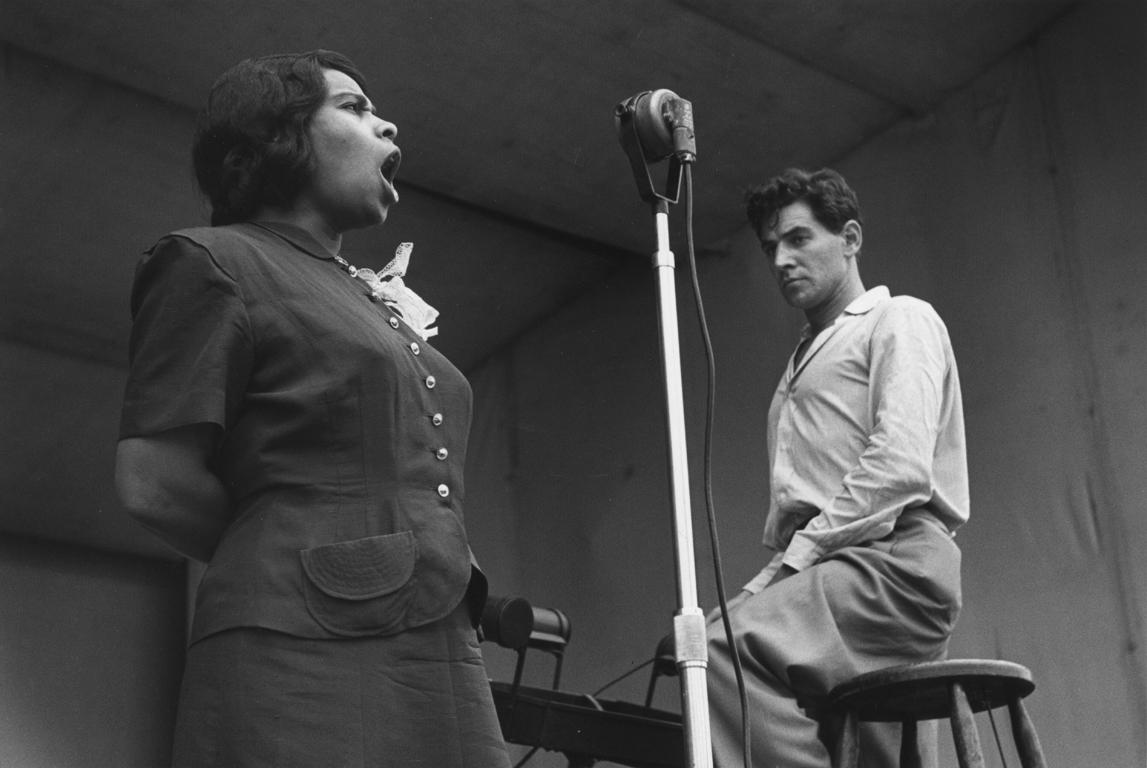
pixel 387 286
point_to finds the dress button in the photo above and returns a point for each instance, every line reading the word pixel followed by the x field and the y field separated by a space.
pixel 444 490
pixel 441 454
pixel 431 382
pixel 437 419
pixel 393 321
pixel 414 348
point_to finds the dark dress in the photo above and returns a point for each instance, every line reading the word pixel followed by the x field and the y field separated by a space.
pixel 333 624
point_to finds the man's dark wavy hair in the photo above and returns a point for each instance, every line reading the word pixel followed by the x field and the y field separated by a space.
pixel 251 145
pixel 825 192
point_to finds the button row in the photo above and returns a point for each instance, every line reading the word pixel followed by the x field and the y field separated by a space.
pixel 436 419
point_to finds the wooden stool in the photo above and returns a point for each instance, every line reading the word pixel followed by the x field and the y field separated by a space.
pixel 954 689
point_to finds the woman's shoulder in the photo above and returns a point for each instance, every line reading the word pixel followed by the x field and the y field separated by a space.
pixel 213 238
pixel 234 248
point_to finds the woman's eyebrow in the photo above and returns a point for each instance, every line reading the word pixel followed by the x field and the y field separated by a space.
pixel 355 95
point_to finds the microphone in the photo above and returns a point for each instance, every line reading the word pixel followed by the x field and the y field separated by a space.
pixel 678 114
pixel 663 122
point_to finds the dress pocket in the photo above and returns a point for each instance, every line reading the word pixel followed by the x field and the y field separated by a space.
pixel 361 587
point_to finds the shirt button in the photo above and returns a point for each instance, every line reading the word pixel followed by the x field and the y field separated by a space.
pixel 437 419
pixel 431 382
pixel 441 454
pixel 393 321
pixel 444 490
pixel 414 348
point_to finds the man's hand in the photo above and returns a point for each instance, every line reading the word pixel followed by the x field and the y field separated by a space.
pixel 782 573
pixel 730 604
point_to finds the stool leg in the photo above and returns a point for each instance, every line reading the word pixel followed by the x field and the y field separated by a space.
pixel 910 746
pixel 847 754
pixel 964 732
pixel 1023 731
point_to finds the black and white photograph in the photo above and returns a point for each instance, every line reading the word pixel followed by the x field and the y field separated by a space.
pixel 547 384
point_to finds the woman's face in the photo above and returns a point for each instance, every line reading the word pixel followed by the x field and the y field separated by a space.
pixel 355 159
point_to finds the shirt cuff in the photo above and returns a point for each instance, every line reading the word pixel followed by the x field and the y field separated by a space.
pixel 762 579
pixel 801 553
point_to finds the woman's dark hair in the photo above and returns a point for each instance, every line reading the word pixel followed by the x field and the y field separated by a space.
pixel 251 145
pixel 825 192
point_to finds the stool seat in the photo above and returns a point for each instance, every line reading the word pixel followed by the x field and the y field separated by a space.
pixel 921 691
pixel 953 689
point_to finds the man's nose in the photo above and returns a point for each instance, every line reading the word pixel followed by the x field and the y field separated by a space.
pixel 782 257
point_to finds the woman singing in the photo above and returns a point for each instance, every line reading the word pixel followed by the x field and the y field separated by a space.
pixel 286 422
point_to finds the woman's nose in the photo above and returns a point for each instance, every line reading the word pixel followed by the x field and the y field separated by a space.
pixel 386 129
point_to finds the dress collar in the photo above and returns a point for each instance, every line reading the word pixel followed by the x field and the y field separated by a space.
pixel 386 285
pixel 300 238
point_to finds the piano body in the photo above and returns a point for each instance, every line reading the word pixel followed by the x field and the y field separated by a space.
pixel 582 727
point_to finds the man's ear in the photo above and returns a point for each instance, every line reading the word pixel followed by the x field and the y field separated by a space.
pixel 853 237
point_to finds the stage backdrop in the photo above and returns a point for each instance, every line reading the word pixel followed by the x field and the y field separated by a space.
pixel 1015 210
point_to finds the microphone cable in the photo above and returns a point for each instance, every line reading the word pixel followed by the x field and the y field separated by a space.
pixel 707 472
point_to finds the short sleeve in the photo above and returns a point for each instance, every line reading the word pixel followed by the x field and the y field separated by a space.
pixel 191 345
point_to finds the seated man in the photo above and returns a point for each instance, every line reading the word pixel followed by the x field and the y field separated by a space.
pixel 868 482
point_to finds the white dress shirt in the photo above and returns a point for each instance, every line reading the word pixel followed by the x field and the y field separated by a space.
pixel 867 424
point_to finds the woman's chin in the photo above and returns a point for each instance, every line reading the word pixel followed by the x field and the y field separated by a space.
pixel 375 217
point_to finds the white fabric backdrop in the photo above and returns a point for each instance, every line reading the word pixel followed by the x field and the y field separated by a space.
pixel 1014 209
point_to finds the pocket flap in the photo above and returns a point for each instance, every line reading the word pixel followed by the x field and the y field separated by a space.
pixel 363 568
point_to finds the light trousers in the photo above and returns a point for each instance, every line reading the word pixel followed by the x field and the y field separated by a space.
pixel 888 602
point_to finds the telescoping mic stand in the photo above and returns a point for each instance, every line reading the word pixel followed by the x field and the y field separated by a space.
pixel 653 126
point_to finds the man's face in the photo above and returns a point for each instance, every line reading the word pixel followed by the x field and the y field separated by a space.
pixel 811 264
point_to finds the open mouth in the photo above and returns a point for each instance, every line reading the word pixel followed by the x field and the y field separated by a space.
pixel 389 169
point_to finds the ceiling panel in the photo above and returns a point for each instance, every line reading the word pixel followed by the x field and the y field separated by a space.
pixel 907 52
pixel 514 186
pixel 503 106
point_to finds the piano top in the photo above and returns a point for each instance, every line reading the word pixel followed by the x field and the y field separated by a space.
pixel 583 727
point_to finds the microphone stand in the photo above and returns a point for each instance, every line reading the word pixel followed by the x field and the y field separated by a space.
pixel 691 645
pixel 689 623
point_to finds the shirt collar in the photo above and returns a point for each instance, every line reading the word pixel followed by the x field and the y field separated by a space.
pixel 861 305
pixel 864 303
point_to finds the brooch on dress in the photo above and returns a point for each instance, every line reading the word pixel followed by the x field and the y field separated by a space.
pixel 388 287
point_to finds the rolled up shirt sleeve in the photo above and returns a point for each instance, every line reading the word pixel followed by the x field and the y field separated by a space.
pixel 762 579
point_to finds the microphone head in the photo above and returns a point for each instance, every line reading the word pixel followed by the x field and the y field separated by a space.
pixel 648 112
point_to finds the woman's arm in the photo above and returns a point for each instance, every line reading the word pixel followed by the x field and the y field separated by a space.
pixel 166 483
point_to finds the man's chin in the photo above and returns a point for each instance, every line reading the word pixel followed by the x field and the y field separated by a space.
pixel 794 294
